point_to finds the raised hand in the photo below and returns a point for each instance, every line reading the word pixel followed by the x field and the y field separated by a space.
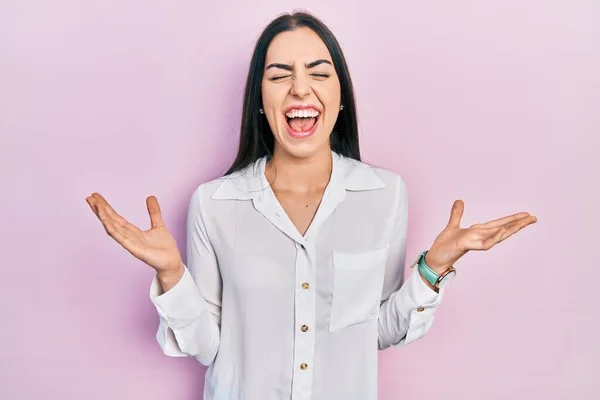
pixel 454 242
pixel 155 247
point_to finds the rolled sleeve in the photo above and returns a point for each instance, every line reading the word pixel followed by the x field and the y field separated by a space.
pixel 407 306
pixel 416 303
pixel 190 312
pixel 181 304
pixel 186 326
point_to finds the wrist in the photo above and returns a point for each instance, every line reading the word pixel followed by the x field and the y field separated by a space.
pixel 432 287
pixel 433 277
pixel 437 268
pixel 169 277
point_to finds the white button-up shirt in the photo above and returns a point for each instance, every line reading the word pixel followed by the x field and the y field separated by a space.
pixel 276 315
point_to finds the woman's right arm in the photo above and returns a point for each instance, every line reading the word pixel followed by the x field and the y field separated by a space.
pixel 188 300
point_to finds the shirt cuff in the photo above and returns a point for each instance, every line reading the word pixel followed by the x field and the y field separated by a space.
pixel 181 304
pixel 422 299
pixel 417 305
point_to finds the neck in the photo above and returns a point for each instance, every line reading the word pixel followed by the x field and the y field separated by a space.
pixel 301 175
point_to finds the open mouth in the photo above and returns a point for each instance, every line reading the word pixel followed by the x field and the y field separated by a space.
pixel 302 122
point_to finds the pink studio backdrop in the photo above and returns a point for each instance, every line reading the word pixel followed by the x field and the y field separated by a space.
pixel 495 102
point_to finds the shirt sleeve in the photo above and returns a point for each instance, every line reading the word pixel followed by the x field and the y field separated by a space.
pixel 408 305
pixel 190 312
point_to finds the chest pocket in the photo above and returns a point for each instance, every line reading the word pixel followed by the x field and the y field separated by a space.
pixel 357 286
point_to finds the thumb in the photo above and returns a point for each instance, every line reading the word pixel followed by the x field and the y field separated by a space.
pixel 456 214
pixel 156 219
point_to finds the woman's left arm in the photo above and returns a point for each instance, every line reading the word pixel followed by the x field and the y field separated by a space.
pixel 407 307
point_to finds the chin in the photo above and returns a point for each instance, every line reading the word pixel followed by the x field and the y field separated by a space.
pixel 304 148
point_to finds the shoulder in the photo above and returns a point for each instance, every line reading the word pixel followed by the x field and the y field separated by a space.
pixel 205 190
pixel 359 174
pixel 203 194
pixel 240 185
pixel 392 179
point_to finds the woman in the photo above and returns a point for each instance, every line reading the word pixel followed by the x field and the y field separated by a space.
pixel 294 275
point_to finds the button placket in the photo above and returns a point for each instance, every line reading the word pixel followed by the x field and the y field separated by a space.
pixel 304 317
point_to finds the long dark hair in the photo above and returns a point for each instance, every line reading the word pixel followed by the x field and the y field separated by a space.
pixel 256 138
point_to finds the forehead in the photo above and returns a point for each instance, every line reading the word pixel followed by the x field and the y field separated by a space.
pixel 300 45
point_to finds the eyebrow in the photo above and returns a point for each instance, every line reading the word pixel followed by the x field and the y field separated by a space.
pixel 291 68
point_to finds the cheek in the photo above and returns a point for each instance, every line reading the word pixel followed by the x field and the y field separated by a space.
pixel 328 93
pixel 272 95
pixel 329 96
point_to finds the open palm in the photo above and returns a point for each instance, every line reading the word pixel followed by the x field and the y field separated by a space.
pixel 155 246
pixel 453 242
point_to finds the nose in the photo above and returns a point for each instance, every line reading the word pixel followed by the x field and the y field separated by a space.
pixel 300 86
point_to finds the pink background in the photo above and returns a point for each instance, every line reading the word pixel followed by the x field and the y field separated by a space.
pixel 494 102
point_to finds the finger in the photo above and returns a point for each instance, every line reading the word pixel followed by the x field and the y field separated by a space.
pixel 96 209
pixel 456 214
pixel 156 219
pixel 100 201
pixel 91 202
pixel 516 226
pixel 482 239
pixel 112 230
pixel 102 213
pixel 119 234
pixel 502 233
pixel 501 221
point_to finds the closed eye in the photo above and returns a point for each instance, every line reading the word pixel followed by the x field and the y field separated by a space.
pixel 278 78
pixel 316 75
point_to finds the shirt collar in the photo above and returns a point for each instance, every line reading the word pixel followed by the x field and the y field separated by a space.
pixel 347 173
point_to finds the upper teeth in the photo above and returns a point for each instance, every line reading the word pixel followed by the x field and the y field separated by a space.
pixel 302 113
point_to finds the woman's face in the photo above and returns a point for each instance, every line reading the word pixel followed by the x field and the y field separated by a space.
pixel 301 92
